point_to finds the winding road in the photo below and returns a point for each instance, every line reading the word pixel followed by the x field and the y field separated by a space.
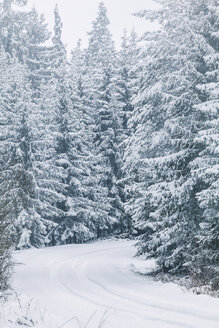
pixel 94 286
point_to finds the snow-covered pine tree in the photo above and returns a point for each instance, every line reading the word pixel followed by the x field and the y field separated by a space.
pixel 125 78
pixel 11 27
pixel 39 57
pixel 78 68
pixel 59 52
pixel 51 190
pixel 124 88
pixel 18 188
pixel 163 145
pixel 68 159
pixel 94 199
pixel 205 259
pixel 5 260
pixel 101 61
pixel 29 34
pixel 22 35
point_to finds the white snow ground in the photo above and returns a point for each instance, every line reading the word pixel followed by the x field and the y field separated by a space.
pixel 94 286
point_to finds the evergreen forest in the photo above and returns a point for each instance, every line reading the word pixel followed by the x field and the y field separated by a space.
pixel 113 142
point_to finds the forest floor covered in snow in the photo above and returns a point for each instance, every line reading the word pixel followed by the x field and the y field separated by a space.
pixel 96 286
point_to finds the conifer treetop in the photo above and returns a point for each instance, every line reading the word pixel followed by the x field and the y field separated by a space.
pixel 101 47
pixel 8 3
pixel 58 27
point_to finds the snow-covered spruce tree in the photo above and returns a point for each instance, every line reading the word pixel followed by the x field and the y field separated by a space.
pixel 51 190
pixel 94 199
pixel 68 160
pixel 205 259
pixel 165 123
pixel 78 69
pixel 59 52
pixel 125 78
pixel 39 57
pixel 17 181
pixel 28 33
pixel 11 26
pixel 21 31
pixel 22 35
pixel 5 260
pixel 124 90
pixel 71 156
pixel 101 61
pixel 47 177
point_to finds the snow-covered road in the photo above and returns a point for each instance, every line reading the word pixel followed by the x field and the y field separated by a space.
pixel 92 285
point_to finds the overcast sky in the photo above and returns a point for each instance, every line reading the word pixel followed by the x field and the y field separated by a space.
pixel 77 16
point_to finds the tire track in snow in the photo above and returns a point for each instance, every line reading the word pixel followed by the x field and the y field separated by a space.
pixel 81 268
pixel 132 299
pixel 82 279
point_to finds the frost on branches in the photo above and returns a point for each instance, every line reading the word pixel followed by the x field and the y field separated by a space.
pixel 113 142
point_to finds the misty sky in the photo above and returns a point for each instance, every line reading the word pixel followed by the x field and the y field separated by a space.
pixel 77 16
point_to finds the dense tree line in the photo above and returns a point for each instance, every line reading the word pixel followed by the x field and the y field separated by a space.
pixel 113 142
pixel 175 141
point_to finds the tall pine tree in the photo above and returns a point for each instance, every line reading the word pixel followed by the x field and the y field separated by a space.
pixel 101 60
pixel 163 144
